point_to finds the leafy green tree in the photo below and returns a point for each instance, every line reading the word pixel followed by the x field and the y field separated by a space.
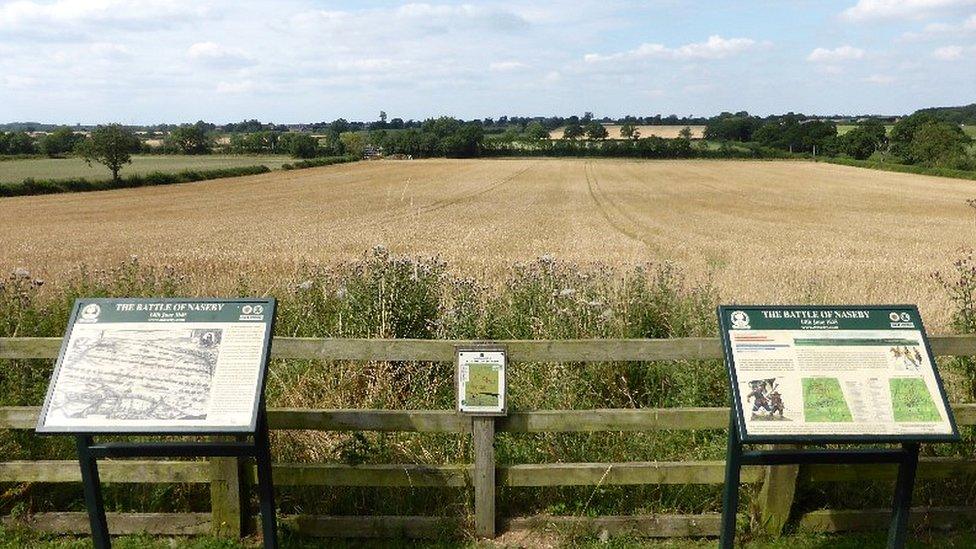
pixel 595 130
pixel 299 145
pixel 685 133
pixel 111 146
pixel 573 131
pixel 191 139
pixel 535 130
pixel 18 143
pixel 61 141
pixel 939 144
pixel 859 143
pixel 629 131
pixel 354 143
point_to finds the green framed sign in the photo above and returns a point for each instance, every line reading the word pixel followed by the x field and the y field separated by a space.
pixel 160 366
pixel 833 374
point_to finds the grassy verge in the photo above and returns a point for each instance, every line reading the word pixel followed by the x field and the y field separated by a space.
pixel 318 162
pixel 901 168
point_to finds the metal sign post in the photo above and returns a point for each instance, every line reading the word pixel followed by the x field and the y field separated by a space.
pixel 817 375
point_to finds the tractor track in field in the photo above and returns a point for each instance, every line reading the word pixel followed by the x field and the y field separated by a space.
pixel 605 204
pixel 450 201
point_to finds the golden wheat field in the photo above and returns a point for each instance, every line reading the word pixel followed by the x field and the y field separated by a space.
pixel 761 231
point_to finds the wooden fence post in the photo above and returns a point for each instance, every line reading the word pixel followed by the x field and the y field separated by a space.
pixel 776 496
pixel 483 445
pixel 226 516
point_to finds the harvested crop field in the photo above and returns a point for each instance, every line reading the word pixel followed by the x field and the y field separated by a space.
pixel 761 231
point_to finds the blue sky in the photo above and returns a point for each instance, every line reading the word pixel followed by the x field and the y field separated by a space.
pixel 145 61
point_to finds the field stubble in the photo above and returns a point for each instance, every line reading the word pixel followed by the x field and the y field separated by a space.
pixel 760 231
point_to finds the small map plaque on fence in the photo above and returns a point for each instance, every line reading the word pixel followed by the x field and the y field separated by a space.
pixel 481 380
pixel 833 373
pixel 160 366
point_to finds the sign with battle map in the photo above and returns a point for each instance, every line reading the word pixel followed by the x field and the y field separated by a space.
pixel 160 366
pixel 826 373
pixel 481 385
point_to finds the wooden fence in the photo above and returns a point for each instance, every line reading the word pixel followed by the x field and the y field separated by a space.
pixel 775 499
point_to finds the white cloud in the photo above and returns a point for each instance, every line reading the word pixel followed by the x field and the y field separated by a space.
pixel 14 81
pixel 900 9
pixel 838 54
pixel 110 50
pixel 90 14
pixel 506 66
pixel 948 53
pixel 881 79
pixel 715 47
pixel 243 86
pixel 217 56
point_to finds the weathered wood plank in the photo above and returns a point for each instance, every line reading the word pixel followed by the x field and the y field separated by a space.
pixel 128 471
pixel 483 447
pixel 335 474
pixel 181 524
pixel 657 526
pixel 411 527
pixel 448 421
pixel 928 468
pixel 226 498
pixel 29 347
pixel 775 499
pixel 651 472
pixel 845 520
pixel 651 419
pixel 426 421
pixel 581 350
pixel 19 417
pixel 953 345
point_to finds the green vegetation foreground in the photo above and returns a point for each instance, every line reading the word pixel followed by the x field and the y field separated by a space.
pixel 394 297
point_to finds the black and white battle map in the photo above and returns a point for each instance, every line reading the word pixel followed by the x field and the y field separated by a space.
pixel 163 374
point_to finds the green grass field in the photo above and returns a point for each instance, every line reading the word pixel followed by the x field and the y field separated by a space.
pixel 844 128
pixel 15 171
pixel 823 400
pixel 911 400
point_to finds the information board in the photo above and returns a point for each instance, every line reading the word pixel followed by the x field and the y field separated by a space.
pixel 833 373
pixel 481 380
pixel 160 366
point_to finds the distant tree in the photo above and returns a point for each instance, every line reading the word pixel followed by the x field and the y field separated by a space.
pixel 629 131
pixel 111 146
pixel 573 131
pixel 18 143
pixel 61 141
pixel 535 130
pixel 858 144
pixel 354 143
pixel 939 144
pixel 383 117
pixel 596 130
pixel 685 133
pixel 191 139
pixel 732 127
pixel 299 145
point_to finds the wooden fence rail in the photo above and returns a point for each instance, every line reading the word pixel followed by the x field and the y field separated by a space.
pixel 227 478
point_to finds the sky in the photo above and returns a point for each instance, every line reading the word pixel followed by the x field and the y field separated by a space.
pixel 287 61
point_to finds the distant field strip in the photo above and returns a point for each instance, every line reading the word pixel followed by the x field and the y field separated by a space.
pixel 15 171
pixel 760 231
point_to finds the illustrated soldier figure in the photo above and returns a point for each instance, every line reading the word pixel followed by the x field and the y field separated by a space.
pixel 759 398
